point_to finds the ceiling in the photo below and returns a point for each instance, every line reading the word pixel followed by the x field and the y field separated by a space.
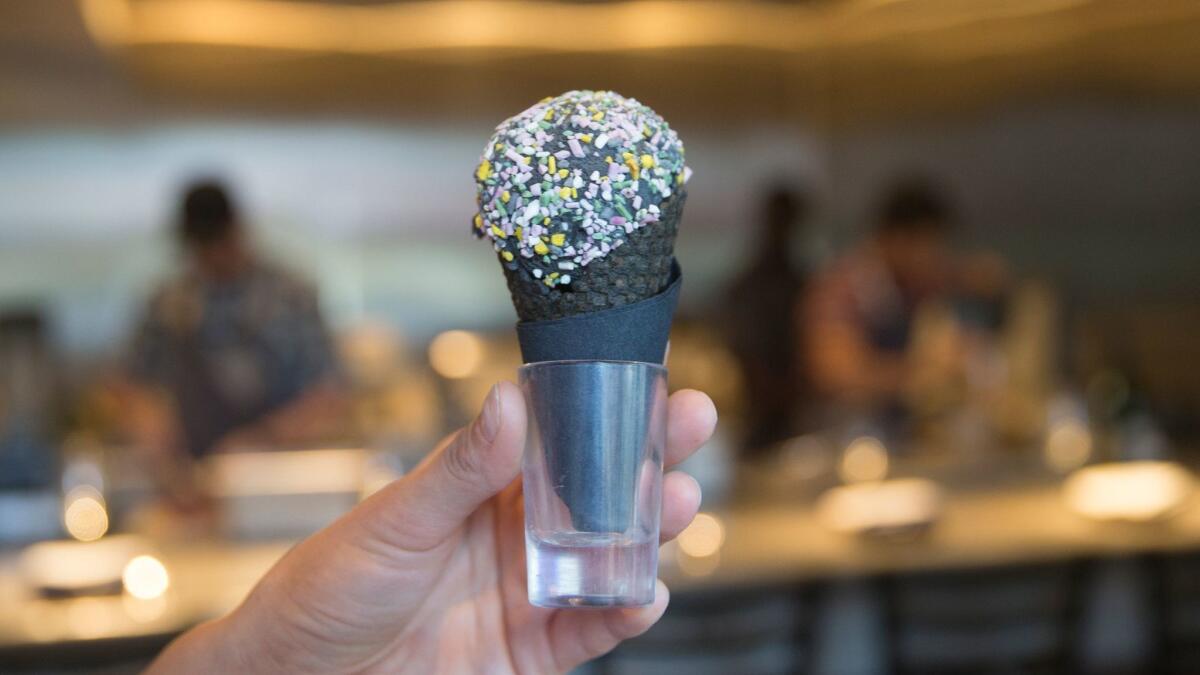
pixel 831 63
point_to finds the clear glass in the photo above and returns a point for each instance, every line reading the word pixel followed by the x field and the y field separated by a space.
pixel 593 481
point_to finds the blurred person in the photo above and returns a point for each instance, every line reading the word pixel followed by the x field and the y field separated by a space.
pixel 766 349
pixel 857 320
pixel 30 414
pixel 235 347
pixel 428 574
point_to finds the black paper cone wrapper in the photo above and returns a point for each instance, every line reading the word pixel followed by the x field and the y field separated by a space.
pixel 633 332
pixel 594 428
pixel 595 475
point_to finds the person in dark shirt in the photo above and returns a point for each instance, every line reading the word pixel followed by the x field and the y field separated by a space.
pixel 757 317
pixel 236 346
pixel 859 315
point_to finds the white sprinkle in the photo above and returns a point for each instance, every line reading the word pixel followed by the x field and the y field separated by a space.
pixel 564 279
pixel 531 211
pixel 562 265
pixel 537 274
pixel 601 140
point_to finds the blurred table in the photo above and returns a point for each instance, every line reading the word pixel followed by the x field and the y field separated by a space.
pixel 763 544
pixel 978 528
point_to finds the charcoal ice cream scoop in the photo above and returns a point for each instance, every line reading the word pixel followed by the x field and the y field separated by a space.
pixel 581 196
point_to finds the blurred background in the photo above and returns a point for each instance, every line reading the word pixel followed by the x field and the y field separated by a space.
pixel 942 283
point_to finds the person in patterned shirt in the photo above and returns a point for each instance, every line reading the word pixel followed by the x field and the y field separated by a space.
pixel 234 346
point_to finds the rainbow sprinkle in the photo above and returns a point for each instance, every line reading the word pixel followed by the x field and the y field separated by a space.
pixel 566 181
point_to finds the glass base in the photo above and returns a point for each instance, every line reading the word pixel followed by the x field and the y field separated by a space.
pixel 588 569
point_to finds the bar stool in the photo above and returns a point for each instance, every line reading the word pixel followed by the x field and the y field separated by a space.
pixel 996 620
pixel 764 631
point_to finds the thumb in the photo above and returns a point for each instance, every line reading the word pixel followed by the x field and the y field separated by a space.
pixel 421 510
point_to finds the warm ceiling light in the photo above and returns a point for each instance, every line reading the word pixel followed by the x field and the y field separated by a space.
pixel 445 24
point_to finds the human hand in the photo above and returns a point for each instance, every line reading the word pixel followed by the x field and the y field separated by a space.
pixel 428 575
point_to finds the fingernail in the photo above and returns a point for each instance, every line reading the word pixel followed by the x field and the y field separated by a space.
pixel 489 419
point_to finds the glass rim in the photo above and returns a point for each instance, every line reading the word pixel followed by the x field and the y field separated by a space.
pixel 581 362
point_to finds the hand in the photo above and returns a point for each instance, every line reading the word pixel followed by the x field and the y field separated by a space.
pixel 428 575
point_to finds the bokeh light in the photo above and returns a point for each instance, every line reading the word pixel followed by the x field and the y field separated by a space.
pixel 703 537
pixel 456 354
pixel 1068 446
pixel 1129 491
pixel 865 459
pixel 145 577
pixel 84 514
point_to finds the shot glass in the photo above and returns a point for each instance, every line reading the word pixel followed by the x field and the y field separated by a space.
pixel 593 481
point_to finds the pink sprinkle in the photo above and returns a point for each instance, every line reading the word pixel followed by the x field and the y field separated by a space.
pixel 576 149
pixel 617 220
pixel 614 171
pixel 562 154
pixel 513 156
pixel 536 189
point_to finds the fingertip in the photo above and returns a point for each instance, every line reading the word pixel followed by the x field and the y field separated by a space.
pixel 692 420
pixel 682 496
pixel 632 622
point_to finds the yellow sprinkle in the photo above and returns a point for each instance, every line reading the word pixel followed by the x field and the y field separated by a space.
pixel 547 281
pixel 558 239
pixel 507 255
pixel 609 159
pixel 633 166
pixel 564 192
pixel 540 248
pixel 574 193
pixel 546 220
pixel 548 98
pixel 563 173
pixel 646 132
pixel 553 165
pixel 498 232
pixel 586 138
pixel 499 146
pixel 627 156
pixel 518 232
pixel 598 116
pixel 504 196
pixel 679 179
pixel 484 170
pixel 554 275
pixel 549 115
pixel 478 221
pixel 647 162
pixel 526 159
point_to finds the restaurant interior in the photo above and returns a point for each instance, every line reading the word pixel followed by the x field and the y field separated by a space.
pixel 941 275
